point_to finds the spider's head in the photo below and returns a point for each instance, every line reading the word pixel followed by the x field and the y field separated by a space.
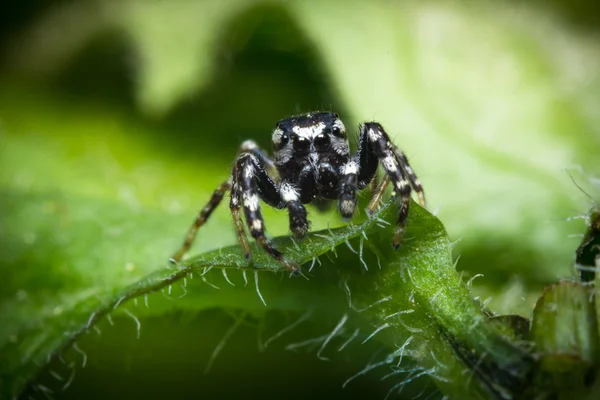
pixel 321 133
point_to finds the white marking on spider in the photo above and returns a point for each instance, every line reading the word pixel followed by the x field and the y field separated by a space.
pixel 389 163
pixel 340 125
pixel 284 155
pixel 347 206
pixel 251 201
pixel 234 200
pixel 257 225
pixel 248 171
pixel 374 135
pixel 248 145
pixel 402 184
pixel 313 159
pixel 288 192
pixel 340 145
pixel 350 168
pixel 325 165
pixel 277 135
pixel 309 132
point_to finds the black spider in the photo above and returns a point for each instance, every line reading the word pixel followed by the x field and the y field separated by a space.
pixel 313 163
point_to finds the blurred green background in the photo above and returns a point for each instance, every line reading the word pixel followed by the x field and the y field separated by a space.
pixel 119 118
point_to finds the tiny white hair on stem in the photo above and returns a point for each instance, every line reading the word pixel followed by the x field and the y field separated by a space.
pixel 257 289
pixel 376 331
pixel 334 332
pixel 223 342
pixel 288 328
pixel 137 322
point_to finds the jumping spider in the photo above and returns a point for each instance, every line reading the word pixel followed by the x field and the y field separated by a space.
pixel 312 163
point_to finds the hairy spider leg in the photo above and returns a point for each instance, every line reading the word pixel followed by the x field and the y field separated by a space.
pixel 377 194
pixel 256 184
pixel 374 184
pixel 248 146
pixel 348 188
pixel 201 218
pixel 234 207
pixel 290 197
pixel 414 181
pixel 357 173
pixel 375 144
pixel 297 212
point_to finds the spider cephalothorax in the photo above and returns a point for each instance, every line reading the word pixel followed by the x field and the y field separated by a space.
pixel 312 163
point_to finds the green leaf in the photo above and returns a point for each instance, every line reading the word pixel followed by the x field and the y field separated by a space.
pixel 489 111
pixel 485 88
pixel 76 252
pixel 491 102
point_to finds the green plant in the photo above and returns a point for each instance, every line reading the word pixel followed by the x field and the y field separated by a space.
pixel 101 176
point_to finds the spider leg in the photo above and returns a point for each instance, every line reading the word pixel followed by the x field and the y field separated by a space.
pixel 201 218
pixel 378 192
pixel 254 184
pixel 248 146
pixel 375 145
pixel 296 210
pixel 414 181
pixel 348 188
pixel 322 205
pixel 234 207
pixel 374 184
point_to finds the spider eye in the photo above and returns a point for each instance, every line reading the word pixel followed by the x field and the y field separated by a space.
pixel 284 140
pixel 321 142
pixel 280 138
pixel 301 144
pixel 338 132
pixel 338 129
